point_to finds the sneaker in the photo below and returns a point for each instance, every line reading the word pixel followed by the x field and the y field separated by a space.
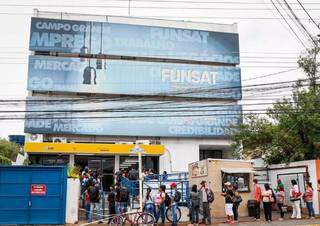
pixel 312 218
pixel 280 219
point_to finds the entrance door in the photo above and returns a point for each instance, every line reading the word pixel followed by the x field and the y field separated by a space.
pixel 104 166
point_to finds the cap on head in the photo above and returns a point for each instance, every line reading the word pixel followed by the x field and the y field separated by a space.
pixel 227 184
pixel 173 185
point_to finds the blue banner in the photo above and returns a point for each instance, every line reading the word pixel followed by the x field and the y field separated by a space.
pixel 84 37
pixel 131 118
pixel 62 74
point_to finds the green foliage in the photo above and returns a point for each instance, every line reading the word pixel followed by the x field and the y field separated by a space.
pixel 291 129
pixel 8 151
pixel 74 172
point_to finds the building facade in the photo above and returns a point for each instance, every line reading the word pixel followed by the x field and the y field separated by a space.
pixel 99 85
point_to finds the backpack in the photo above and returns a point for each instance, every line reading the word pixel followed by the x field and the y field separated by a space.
pixel 167 200
pixel 210 196
pixel 124 195
pixel 94 194
pixel 195 199
pixel 177 197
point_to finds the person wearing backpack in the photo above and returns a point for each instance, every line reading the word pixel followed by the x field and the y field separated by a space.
pixel 295 196
pixel 160 204
pixel 95 197
pixel 236 203
pixel 267 199
pixel 175 196
pixel 194 204
pixel 112 202
pixel 206 197
pixel 229 197
pixel 123 199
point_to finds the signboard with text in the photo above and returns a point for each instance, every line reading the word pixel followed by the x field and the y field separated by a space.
pixel 38 189
pixel 132 118
pixel 72 36
pixel 61 74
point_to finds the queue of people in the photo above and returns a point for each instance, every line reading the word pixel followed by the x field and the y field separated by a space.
pixel 269 197
pixel 201 196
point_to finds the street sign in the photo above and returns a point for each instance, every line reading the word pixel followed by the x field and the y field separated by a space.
pixel 38 189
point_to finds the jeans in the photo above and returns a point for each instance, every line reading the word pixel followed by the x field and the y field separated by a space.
pixel 257 210
pixel 280 205
pixel 206 212
pixel 87 207
pixel 296 209
pixel 310 209
pixel 235 211
pixel 94 205
pixel 112 210
pixel 267 211
pixel 161 213
pixel 149 208
pixel 194 214
pixel 123 207
pixel 174 214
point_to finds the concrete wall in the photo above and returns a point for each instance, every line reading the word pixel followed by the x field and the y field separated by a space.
pixel 183 151
pixel 73 194
pixel 214 176
pixel 290 170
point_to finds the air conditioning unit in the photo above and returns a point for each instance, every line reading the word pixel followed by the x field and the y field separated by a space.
pixel 144 142
pixel 155 142
pixel 37 138
pixel 59 140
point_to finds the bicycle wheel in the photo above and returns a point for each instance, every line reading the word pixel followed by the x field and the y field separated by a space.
pixel 145 219
pixel 116 221
pixel 169 214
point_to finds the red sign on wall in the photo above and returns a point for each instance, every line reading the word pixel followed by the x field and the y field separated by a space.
pixel 38 189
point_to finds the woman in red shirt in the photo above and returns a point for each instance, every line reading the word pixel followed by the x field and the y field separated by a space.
pixel 308 198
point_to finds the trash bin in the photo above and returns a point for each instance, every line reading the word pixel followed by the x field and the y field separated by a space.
pixel 251 208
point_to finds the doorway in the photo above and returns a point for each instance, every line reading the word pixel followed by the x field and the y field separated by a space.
pixel 103 165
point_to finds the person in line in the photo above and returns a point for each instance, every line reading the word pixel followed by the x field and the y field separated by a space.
pixel 229 197
pixel 164 176
pixel 281 197
pixel 257 198
pixel 148 202
pixel 236 203
pixel 205 203
pixel 308 198
pixel 175 199
pixel 194 204
pixel 112 202
pixel 295 197
pixel 160 205
pixel 123 199
pixel 267 199
pixel 95 197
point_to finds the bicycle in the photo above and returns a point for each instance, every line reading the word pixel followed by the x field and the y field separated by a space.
pixel 137 218
pixel 169 214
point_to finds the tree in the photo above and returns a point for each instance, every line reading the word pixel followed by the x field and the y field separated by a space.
pixel 290 131
pixel 8 151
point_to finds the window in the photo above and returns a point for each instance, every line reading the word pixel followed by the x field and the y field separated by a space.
pixel 210 154
pixel 242 180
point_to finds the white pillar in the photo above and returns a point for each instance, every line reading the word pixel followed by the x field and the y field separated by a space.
pixel 71 160
pixel 116 163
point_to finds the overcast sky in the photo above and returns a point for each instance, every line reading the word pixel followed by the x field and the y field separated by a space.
pixel 266 45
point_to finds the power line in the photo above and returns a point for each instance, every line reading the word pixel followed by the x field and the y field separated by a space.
pixel 305 10
pixel 293 31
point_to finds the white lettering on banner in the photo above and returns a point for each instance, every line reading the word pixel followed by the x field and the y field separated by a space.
pixel 143 43
pixel 76 128
pixel 188 130
pixel 188 76
pixel 35 123
pixel 54 26
pixel 57 65
pixel 43 83
pixel 180 35
pixel 55 39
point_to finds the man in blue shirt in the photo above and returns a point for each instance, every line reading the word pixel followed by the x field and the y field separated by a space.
pixel 175 198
